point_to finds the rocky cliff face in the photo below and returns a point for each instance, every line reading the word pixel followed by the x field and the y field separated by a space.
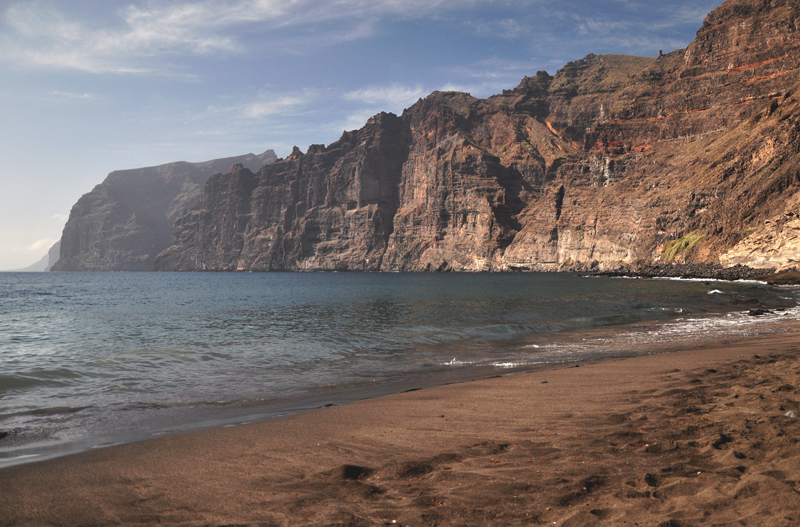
pixel 615 160
pixel 331 208
pixel 124 222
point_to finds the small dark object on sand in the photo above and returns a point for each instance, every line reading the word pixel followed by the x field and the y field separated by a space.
pixel 353 471
pixel 758 312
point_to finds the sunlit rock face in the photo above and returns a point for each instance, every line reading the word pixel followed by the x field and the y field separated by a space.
pixel 125 221
pixel 615 160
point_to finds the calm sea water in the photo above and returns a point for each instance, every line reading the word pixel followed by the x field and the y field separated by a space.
pixel 92 359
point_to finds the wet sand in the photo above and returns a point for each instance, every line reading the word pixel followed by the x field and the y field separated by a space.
pixel 694 437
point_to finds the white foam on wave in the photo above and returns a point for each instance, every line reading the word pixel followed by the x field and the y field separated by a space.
pixel 13 459
pixel 716 292
pixel 738 323
pixel 680 279
pixel 456 362
pixel 106 445
pixel 685 329
pixel 507 364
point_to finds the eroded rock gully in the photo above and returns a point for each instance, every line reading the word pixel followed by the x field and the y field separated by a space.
pixel 614 161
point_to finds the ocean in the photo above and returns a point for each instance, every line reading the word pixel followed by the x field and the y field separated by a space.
pixel 89 360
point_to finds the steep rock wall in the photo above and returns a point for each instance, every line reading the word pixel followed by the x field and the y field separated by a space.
pixel 124 222
pixel 330 208
pixel 692 156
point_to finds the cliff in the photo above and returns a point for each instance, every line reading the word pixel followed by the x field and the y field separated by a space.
pixel 125 221
pixel 53 255
pixel 615 160
pixel 45 263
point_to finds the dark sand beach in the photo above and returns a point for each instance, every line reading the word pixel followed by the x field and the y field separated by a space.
pixel 699 436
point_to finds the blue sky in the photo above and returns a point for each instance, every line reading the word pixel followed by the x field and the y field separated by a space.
pixel 88 86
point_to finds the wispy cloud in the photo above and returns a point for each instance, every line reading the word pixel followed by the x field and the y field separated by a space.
pixel 41 37
pixel 44 243
pixel 293 117
pixel 149 36
pixel 278 105
pixel 493 68
pixel 671 18
pixel 589 26
pixel 34 34
pixel 394 95
pixel 265 104
pixel 72 95
pixel 507 28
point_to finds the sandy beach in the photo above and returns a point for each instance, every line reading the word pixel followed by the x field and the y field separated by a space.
pixel 699 436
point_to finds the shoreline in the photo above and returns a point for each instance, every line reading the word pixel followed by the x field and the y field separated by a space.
pixel 449 352
pixel 691 435
pixel 239 413
pixel 688 271
pixel 245 415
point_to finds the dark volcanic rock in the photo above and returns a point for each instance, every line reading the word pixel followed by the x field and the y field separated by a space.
pixel 124 222
pixel 331 208
pixel 787 277
pixel 615 163
pixel 690 270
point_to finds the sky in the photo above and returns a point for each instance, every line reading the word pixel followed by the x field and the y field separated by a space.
pixel 92 86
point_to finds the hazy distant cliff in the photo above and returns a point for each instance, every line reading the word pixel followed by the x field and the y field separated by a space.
pixel 45 263
pixel 125 221
pixel 692 156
